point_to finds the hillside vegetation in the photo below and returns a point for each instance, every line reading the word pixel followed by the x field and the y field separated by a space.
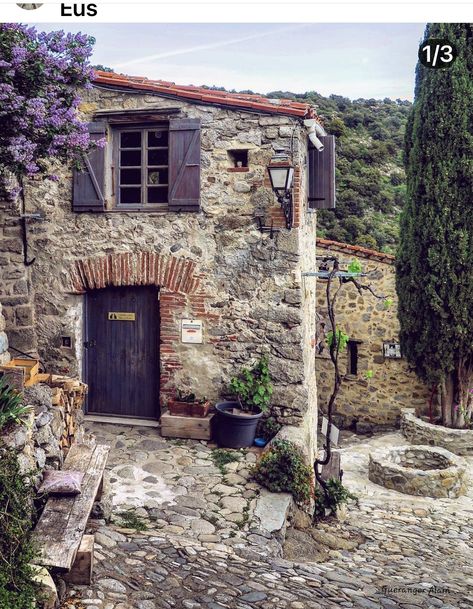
pixel 370 173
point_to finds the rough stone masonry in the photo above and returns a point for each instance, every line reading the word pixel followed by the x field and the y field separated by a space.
pixel 214 265
pixel 366 402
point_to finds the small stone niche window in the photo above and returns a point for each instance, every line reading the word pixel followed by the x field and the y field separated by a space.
pixel 352 354
pixel 238 160
pixel 66 342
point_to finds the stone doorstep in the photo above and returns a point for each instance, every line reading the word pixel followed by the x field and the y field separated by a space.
pixel 272 510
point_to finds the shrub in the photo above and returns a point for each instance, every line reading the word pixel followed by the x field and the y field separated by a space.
pixel 11 407
pixel 282 469
pixel 17 589
pixel 337 495
pixel 268 428
pixel 253 386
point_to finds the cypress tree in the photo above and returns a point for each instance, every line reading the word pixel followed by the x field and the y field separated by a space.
pixel 435 255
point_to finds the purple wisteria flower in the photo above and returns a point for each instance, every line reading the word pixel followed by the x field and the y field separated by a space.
pixel 41 74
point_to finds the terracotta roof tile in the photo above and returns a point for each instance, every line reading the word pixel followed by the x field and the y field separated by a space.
pixel 247 101
pixel 356 250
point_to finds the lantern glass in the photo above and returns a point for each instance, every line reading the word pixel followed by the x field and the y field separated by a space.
pixel 290 178
pixel 278 177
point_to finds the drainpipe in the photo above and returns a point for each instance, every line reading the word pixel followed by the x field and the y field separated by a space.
pixel 313 129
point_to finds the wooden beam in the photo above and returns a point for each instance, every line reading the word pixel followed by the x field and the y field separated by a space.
pixel 81 572
pixel 63 521
pixel 196 428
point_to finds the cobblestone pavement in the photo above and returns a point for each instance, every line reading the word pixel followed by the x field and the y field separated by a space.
pixel 411 553
pixel 180 488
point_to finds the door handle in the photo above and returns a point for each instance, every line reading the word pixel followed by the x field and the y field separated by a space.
pixel 88 344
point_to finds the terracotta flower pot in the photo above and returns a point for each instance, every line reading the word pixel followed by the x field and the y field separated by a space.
pixel 188 409
pixel 199 409
pixel 180 409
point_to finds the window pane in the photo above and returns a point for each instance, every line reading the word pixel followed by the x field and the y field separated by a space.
pixel 130 139
pixel 157 195
pixel 157 138
pixel 130 176
pixel 130 158
pixel 130 195
pixel 157 157
pixel 157 176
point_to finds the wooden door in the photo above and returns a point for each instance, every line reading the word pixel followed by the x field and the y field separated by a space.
pixel 122 352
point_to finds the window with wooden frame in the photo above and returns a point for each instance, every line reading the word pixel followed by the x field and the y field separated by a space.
pixel 154 167
pixel 141 162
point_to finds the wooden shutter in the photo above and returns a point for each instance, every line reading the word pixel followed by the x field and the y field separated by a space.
pixel 184 165
pixel 322 174
pixel 89 183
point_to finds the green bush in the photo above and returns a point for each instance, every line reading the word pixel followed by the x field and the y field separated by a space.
pixel 11 404
pixel 17 589
pixel 282 469
pixel 253 386
pixel 268 428
pixel 337 495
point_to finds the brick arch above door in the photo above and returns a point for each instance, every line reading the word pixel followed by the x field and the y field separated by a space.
pixel 171 273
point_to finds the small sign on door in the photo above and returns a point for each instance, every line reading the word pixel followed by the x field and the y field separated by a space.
pixel 191 331
pixel 121 316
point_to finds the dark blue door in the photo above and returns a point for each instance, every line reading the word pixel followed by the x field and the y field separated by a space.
pixel 122 352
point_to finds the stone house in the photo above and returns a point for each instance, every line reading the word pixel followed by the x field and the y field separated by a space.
pixel 373 400
pixel 151 269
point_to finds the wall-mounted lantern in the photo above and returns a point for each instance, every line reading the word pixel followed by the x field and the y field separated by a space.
pixel 281 174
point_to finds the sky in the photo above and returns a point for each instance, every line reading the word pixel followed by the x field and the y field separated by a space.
pixel 353 60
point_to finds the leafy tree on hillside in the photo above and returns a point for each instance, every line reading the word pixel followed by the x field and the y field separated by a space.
pixel 435 256
pixel 370 138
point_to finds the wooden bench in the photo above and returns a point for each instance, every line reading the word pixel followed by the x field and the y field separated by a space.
pixel 59 533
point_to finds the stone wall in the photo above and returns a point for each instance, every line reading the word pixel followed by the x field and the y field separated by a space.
pixel 419 431
pixel 419 470
pixel 38 441
pixel 376 401
pixel 15 289
pixel 246 286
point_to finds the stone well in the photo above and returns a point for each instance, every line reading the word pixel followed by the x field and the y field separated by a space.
pixel 418 431
pixel 418 470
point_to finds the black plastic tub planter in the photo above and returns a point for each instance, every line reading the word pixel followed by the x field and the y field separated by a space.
pixel 235 430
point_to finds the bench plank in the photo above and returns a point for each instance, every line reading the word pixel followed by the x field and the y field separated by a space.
pixel 62 524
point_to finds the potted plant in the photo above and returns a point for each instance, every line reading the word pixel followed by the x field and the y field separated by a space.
pixel 236 422
pixel 187 405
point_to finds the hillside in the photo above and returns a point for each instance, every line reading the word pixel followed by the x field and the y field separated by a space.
pixel 370 172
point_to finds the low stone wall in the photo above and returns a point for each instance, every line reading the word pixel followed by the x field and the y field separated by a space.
pixel 418 431
pixel 39 441
pixel 419 470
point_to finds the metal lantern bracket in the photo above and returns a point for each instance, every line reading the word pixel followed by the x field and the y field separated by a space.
pixel 24 234
pixel 267 229
pixel 285 200
pixel 326 274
